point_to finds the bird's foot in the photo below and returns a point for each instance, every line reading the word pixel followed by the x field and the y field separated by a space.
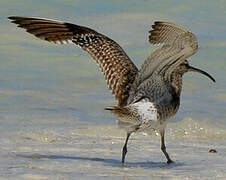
pixel 170 161
pixel 124 164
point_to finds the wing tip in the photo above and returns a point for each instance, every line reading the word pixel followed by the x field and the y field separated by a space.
pixel 158 22
pixel 154 32
pixel 158 33
pixel 153 36
pixel 16 18
pixel 12 17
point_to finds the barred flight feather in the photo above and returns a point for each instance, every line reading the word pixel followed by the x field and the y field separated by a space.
pixel 178 44
pixel 117 67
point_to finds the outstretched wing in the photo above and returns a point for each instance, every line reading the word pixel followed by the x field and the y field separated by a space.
pixel 178 44
pixel 117 67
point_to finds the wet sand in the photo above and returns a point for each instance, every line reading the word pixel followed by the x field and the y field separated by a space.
pixel 94 152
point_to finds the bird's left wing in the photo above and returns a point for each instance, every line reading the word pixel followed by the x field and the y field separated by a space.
pixel 117 67
pixel 178 44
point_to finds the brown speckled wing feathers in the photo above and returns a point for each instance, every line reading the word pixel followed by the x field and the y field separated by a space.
pixel 178 44
pixel 117 67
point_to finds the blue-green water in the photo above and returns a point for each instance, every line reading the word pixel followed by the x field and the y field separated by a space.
pixel 52 95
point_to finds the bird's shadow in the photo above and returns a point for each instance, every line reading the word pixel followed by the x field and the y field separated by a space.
pixel 106 161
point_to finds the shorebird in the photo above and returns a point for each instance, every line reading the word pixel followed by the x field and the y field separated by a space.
pixel 147 98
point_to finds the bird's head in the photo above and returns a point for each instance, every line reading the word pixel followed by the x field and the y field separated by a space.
pixel 185 67
pixel 176 77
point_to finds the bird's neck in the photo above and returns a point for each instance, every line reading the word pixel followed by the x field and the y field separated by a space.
pixel 176 82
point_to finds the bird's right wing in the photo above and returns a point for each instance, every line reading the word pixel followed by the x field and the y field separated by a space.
pixel 178 44
pixel 117 67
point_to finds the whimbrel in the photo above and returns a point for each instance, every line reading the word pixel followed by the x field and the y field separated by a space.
pixel 147 98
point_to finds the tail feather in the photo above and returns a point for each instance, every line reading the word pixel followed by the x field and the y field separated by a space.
pixel 119 111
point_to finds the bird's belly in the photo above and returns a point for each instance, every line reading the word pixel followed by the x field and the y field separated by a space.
pixel 136 125
pixel 141 116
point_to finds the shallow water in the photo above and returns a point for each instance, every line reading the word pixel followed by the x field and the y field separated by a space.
pixel 52 98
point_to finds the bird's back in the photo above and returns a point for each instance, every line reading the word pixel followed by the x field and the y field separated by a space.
pixel 153 105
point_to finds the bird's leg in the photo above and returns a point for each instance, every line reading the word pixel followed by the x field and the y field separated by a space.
pixel 124 150
pixel 163 147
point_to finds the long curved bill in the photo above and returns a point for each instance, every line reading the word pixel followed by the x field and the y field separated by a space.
pixel 202 72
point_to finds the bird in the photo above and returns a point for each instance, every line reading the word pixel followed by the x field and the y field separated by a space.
pixel 147 97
